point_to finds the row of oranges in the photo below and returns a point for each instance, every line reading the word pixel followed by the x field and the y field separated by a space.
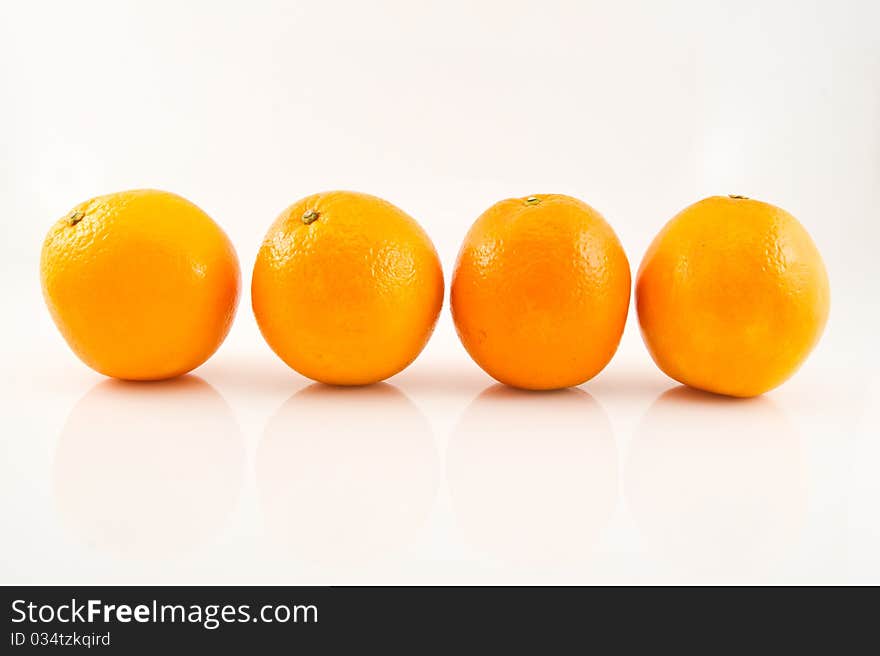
pixel 732 294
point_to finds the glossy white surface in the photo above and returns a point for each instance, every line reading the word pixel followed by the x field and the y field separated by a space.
pixel 246 472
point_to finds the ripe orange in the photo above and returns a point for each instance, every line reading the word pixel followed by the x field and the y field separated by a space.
pixel 142 284
pixel 732 295
pixel 541 291
pixel 346 288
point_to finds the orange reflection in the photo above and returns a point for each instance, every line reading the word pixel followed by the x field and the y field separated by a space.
pixel 717 485
pixel 147 470
pixel 533 476
pixel 347 475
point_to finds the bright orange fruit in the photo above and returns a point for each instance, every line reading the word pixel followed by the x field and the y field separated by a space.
pixel 346 288
pixel 142 284
pixel 732 295
pixel 541 292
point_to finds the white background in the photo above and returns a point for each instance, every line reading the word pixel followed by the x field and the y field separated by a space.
pixel 249 474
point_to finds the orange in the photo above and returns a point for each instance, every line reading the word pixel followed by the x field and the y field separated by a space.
pixel 142 284
pixel 732 295
pixel 346 288
pixel 541 291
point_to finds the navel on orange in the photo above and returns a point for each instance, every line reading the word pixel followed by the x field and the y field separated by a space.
pixel 142 284
pixel 541 292
pixel 732 295
pixel 346 288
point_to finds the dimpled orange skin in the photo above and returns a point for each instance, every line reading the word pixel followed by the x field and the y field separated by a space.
pixel 732 295
pixel 346 288
pixel 541 292
pixel 142 284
